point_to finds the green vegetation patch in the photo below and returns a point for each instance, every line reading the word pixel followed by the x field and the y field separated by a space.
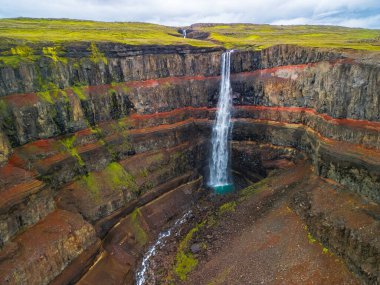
pixel 80 92
pixel 310 238
pixel 58 31
pixel 113 177
pixel 96 56
pixel 117 177
pixel 50 92
pixel 6 120
pixel 250 36
pixel 90 182
pixel 68 143
pixel 254 188
pixel 52 53
pixel 25 39
pixel 17 54
pixel 23 51
pixel 185 260
pixel 139 232
pixel 228 207
pixel 313 240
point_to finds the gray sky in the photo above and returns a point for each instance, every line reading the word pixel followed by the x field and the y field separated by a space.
pixel 350 13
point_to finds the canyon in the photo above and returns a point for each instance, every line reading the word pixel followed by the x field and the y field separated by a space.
pixel 94 166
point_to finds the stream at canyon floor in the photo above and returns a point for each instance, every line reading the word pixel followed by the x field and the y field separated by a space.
pixel 145 275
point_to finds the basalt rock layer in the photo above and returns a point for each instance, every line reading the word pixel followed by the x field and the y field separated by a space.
pixel 131 130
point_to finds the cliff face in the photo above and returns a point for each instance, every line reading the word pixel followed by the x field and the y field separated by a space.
pixel 81 65
pixel 91 139
pixel 341 89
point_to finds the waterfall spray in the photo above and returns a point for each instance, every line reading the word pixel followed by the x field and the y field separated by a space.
pixel 184 33
pixel 220 176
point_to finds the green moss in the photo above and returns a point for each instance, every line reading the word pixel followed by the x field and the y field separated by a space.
pixel 254 188
pixel 16 55
pixel 23 51
pixel 52 53
pixel 3 108
pixel 124 124
pixel 185 260
pixel 185 264
pixel 211 221
pixel 113 178
pixel 120 127
pixel 96 130
pixel 50 92
pixel 11 61
pixel 118 178
pixel 313 240
pixel 79 91
pixel 111 91
pixel 228 207
pixel 68 143
pixel 6 120
pixel 140 234
pixel 90 183
pixel 45 96
pixel 96 56
pixel 144 172
pixel 76 65
pixel 310 238
pixel 125 89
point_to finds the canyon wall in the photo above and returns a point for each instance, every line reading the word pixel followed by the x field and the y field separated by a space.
pixel 86 140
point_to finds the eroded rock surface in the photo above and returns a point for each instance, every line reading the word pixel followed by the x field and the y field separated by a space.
pixel 102 138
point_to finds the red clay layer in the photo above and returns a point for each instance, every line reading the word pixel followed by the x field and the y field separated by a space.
pixel 141 124
pixel 353 123
pixel 20 100
pixel 347 149
pixel 364 124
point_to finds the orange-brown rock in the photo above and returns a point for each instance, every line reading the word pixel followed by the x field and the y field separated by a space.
pixel 44 250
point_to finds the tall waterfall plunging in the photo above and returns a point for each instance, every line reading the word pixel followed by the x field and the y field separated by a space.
pixel 220 176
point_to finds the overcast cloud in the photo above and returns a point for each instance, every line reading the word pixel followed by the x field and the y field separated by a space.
pixel 350 13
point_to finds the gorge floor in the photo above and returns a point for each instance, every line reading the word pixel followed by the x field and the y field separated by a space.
pixel 252 237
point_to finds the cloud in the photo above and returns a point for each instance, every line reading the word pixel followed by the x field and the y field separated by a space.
pixel 352 13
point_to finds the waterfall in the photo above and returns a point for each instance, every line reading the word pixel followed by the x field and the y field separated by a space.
pixel 220 177
pixel 184 33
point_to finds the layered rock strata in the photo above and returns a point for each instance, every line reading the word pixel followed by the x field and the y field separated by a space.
pixel 140 128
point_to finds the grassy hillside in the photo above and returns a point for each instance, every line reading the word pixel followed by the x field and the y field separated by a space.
pixel 25 39
pixel 25 30
pixel 262 36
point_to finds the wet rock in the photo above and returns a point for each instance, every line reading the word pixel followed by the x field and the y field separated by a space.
pixel 195 248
